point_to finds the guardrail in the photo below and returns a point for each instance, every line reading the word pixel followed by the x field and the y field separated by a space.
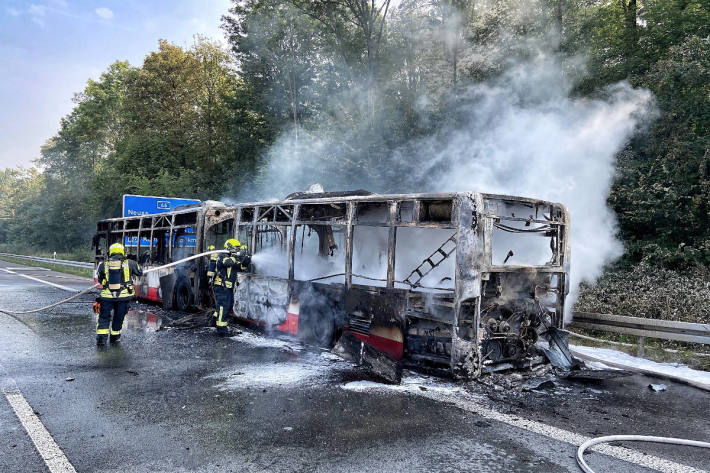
pixel 652 328
pixel 639 326
pixel 76 264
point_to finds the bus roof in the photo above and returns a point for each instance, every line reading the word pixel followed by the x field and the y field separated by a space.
pixel 341 197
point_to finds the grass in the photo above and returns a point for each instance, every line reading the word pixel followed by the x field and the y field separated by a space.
pixel 89 273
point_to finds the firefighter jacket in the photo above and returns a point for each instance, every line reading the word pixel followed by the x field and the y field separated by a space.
pixel 115 277
pixel 226 271
pixel 227 267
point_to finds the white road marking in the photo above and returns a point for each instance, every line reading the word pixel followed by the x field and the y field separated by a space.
pixel 622 453
pixel 463 400
pixel 59 286
pixel 29 268
pixel 48 449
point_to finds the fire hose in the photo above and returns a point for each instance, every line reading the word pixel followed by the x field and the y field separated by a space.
pixel 634 438
pixel 93 286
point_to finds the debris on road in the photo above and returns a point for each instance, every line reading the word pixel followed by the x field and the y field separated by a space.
pixel 538 384
pixel 657 387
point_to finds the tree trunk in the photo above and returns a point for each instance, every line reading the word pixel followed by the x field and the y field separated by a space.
pixel 630 33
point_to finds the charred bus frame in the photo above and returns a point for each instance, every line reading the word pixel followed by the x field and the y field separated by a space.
pixel 488 314
pixel 157 239
pixel 458 283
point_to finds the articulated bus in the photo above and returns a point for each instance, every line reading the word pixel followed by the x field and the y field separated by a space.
pixel 458 283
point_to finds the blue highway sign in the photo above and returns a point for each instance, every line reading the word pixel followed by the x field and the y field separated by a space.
pixel 135 205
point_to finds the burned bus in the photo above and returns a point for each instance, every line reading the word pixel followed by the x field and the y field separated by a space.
pixel 158 239
pixel 455 283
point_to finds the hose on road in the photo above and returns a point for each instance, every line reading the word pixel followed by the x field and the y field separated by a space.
pixel 633 438
pixel 93 286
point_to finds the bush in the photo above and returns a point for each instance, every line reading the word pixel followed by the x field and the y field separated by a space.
pixel 646 290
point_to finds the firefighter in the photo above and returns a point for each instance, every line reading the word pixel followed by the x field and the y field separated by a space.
pixel 225 281
pixel 117 292
pixel 212 265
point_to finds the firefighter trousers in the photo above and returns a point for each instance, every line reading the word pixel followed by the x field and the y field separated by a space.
pixel 224 301
pixel 119 308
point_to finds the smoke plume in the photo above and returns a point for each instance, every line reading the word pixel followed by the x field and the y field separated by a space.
pixel 522 132
pixel 523 135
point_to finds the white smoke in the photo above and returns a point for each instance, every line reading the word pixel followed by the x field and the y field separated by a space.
pixel 523 134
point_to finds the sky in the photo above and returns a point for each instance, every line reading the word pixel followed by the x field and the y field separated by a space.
pixel 50 48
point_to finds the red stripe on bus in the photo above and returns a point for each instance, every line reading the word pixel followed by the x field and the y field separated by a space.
pixel 290 325
pixel 385 345
pixel 152 294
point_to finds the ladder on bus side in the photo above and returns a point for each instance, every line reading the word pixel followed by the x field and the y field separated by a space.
pixel 434 260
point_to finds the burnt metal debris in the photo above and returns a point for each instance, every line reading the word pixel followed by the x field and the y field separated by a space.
pixel 459 284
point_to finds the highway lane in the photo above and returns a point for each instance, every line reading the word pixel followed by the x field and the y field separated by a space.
pixel 167 400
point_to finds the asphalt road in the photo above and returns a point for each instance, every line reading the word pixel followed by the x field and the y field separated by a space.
pixel 184 400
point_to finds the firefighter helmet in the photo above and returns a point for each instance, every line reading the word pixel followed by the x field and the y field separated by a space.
pixel 232 244
pixel 210 248
pixel 116 248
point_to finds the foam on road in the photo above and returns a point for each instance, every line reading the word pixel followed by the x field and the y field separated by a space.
pixel 618 359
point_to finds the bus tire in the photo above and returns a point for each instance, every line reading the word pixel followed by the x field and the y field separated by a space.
pixel 183 295
pixel 318 328
pixel 323 333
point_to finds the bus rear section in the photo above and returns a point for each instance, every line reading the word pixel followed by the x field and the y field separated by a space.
pixel 456 284
pixel 159 239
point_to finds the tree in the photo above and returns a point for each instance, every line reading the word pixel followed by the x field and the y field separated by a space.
pixel 277 48
pixel 663 192
pixel 369 17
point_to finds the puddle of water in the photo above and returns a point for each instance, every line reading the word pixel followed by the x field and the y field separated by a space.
pixel 142 321
pixel 139 321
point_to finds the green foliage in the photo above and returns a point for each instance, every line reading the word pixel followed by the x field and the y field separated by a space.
pixel 645 290
pixel 663 192
pixel 181 125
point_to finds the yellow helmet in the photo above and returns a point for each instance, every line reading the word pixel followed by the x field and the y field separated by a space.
pixel 210 248
pixel 116 248
pixel 243 247
pixel 232 243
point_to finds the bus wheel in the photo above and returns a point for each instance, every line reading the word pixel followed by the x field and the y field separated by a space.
pixel 318 328
pixel 182 295
pixel 322 331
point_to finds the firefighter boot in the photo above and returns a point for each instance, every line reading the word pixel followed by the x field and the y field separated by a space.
pixel 115 338
pixel 101 340
pixel 224 332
